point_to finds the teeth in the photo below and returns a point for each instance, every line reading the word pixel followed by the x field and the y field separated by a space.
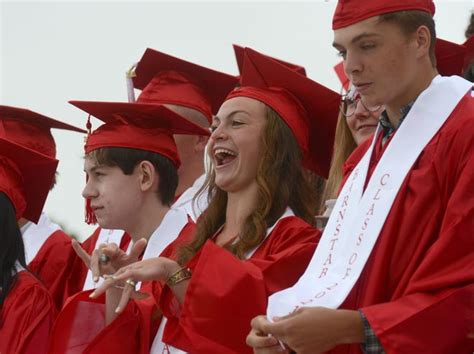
pixel 225 151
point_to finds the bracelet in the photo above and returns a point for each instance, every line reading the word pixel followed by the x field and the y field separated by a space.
pixel 178 276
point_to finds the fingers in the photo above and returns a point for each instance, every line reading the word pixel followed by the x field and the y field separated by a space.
pixel 259 324
pixel 111 250
pixel 271 350
pixel 109 282
pixel 101 259
pixel 95 265
pixel 127 293
pixel 125 273
pixel 290 315
pixel 277 330
pixel 113 280
pixel 137 249
pixel 263 343
pixel 92 261
pixel 83 255
pixel 260 340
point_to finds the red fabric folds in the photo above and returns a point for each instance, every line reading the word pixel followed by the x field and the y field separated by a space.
pixel 53 265
pixel 27 317
pixel 225 293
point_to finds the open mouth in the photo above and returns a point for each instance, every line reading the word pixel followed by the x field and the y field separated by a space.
pixel 224 156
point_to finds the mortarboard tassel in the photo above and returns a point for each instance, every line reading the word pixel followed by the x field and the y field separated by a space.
pixel 130 74
pixel 90 216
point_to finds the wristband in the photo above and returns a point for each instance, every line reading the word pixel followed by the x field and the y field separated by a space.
pixel 179 276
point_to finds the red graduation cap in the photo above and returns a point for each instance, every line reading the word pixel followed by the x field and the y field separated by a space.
pixel 25 177
pixel 148 127
pixel 349 12
pixel 309 109
pixel 31 129
pixel 239 56
pixel 449 57
pixel 165 79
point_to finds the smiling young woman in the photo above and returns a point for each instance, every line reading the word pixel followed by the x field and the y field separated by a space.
pixel 275 191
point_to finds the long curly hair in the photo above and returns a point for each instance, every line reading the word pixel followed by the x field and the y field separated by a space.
pixel 282 182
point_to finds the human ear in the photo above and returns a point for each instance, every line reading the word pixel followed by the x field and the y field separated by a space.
pixel 423 41
pixel 147 175
pixel 200 143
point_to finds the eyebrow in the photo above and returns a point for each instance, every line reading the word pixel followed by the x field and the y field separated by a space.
pixel 93 169
pixel 358 38
pixel 231 114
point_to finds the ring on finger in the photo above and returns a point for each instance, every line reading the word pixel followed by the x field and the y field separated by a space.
pixel 131 282
pixel 104 259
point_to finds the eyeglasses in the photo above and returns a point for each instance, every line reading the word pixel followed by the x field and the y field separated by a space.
pixel 349 105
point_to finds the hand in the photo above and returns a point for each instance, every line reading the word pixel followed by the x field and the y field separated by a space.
pixel 260 341
pixel 315 329
pixel 158 268
pixel 117 257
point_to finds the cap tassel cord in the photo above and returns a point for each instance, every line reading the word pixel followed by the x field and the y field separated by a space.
pixel 130 74
pixel 89 213
pixel 90 217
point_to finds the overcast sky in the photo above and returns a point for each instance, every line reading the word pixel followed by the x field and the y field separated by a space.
pixel 52 52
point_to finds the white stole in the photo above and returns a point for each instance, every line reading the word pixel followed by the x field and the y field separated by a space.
pixel 358 216
pixel 35 235
pixel 171 226
pixel 194 208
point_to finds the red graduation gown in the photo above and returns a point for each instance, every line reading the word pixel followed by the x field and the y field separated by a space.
pixel 53 264
pixel 417 288
pixel 225 293
pixel 26 317
pixel 80 326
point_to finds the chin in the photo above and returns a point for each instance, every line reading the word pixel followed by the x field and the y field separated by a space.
pixel 361 138
pixel 371 100
pixel 222 185
pixel 105 224
pixel 228 185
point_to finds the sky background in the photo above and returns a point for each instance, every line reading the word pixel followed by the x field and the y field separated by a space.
pixel 52 52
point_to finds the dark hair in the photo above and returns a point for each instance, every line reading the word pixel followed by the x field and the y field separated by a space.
pixel 470 27
pixel 53 183
pixel 409 21
pixel 127 159
pixel 282 182
pixel 11 247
